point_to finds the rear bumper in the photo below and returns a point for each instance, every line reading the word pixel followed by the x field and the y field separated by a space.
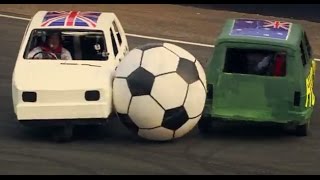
pixel 62 122
pixel 294 117
pixel 257 119
pixel 42 111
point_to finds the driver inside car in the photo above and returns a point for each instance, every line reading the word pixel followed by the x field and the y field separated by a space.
pixel 51 49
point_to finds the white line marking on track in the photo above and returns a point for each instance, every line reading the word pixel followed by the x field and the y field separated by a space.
pixel 138 36
pixel 14 17
pixel 170 40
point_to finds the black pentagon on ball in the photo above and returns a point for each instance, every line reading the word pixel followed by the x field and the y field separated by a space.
pixel 127 121
pixel 188 71
pixel 149 46
pixel 175 118
pixel 140 82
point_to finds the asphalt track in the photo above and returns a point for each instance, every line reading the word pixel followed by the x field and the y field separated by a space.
pixel 231 149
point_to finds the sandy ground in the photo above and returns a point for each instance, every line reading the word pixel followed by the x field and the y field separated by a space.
pixel 164 20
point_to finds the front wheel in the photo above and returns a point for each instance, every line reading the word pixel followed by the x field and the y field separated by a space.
pixel 63 134
pixel 204 125
pixel 302 130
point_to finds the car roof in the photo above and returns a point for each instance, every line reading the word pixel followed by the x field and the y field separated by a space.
pixel 262 31
pixel 72 20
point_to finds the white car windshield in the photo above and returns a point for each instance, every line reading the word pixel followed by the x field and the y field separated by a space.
pixel 66 44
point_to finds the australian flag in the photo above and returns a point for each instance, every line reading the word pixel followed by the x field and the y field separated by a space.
pixel 261 28
pixel 70 18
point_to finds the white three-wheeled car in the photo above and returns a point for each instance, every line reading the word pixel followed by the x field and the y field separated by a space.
pixel 64 70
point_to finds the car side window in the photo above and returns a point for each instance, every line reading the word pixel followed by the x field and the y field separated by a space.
pixel 303 55
pixel 114 43
pixel 255 62
pixel 116 30
pixel 309 49
pixel 35 40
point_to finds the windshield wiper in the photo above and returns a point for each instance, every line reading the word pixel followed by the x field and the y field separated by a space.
pixel 69 63
pixel 91 65
pixel 81 64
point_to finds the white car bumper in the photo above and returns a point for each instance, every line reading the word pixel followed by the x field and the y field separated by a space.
pixel 65 111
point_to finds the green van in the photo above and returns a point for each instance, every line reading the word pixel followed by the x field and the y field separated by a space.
pixel 261 71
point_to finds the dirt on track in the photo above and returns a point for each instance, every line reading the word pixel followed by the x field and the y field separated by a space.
pixel 180 22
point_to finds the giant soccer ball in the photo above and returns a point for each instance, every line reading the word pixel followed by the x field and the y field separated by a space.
pixel 159 91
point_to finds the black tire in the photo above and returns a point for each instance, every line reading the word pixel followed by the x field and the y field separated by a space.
pixel 98 131
pixel 63 134
pixel 302 130
pixel 204 125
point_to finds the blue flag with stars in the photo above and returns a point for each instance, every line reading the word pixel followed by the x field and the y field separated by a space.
pixel 261 28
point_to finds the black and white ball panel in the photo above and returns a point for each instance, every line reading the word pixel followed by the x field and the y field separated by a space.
pixel 159 61
pixel 153 112
pixel 187 70
pixel 169 90
pixel 196 94
pixel 125 68
pixel 121 95
pixel 157 134
pixel 140 82
pixel 190 124
pixel 179 51
pixel 202 74
pixel 174 118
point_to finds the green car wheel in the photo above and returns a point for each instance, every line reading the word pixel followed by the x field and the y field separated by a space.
pixel 204 125
pixel 303 130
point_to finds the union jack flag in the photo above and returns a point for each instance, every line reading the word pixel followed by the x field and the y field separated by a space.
pixel 70 18
pixel 276 24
